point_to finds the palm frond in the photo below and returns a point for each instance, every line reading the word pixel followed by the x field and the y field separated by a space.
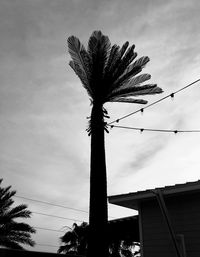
pixel 94 40
pixel 3 191
pixel 5 242
pixel 149 89
pixel 69 237
pixel 5 205
pixel 128 57
pixel 21 237
pixel 123 80
pixel 13 238
pixel 19 211
pixel 143 90
pixel 113 60
pixel 112 54
pixel 138 80
pixel 128 100
pixel 75 48
pixel 131 71
pixel 5 194
pixel 135 81
pixel 116 61
pixel 141 62
pixel 92 43
pixel 16 228
pixel 98 48
pixel 61 249
pixel 68 248
pixel 108 73
pixel 121 61
pixel 82 77
pixel 124 48
pixel 81 60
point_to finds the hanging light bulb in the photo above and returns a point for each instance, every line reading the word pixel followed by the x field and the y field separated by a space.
pixel 142 110
pixel 172 96
pixel 141 130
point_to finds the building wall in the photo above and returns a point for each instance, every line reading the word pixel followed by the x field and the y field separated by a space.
pixel 184 212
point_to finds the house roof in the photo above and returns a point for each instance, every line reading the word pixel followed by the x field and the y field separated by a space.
pixel 131 200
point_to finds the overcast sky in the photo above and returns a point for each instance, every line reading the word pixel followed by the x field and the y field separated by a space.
pixel 45 150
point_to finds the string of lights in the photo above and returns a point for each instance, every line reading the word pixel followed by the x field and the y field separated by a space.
pixel 155 130
pixel 52 204
pixel 149 105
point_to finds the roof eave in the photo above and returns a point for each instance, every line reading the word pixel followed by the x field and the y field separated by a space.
pixel 132 200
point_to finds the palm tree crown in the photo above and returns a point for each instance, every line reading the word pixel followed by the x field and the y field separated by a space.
pixel 108 73
pixel 12 233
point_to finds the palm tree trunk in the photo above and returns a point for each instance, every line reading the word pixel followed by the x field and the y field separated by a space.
pixel 98 216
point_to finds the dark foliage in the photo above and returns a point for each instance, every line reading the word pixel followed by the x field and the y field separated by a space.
pixel 105 70
pixel 13 234
pixel 75 242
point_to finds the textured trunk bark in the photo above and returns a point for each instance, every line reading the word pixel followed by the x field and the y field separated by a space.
pixel 98 216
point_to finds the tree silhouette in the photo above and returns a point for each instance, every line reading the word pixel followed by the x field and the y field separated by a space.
pixel 12 233
pixel 75 241
pixel 109 74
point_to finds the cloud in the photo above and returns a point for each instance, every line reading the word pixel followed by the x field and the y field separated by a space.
pixel 145 154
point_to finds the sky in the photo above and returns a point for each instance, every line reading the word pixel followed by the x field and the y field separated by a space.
pixel 45 150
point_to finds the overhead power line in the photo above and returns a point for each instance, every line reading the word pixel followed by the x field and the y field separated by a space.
pixel 161 99
pixel 49 229
pixel 156 130
pixel 57 246
pixel 55 216
pixel 52 204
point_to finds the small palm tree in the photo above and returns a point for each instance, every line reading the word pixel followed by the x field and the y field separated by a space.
pixel 109 74
pixel 12 233
pixel 75 240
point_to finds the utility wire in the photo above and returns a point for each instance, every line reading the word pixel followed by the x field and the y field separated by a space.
pixel 57 246
pixel 57 205
pixel 49 229
pixel 52 204
pixel 147 106
pixel 54 216
pixel 156 130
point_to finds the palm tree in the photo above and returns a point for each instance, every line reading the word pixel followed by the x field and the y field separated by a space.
pixel 12 233
pixel 75 240
pixel 108 73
